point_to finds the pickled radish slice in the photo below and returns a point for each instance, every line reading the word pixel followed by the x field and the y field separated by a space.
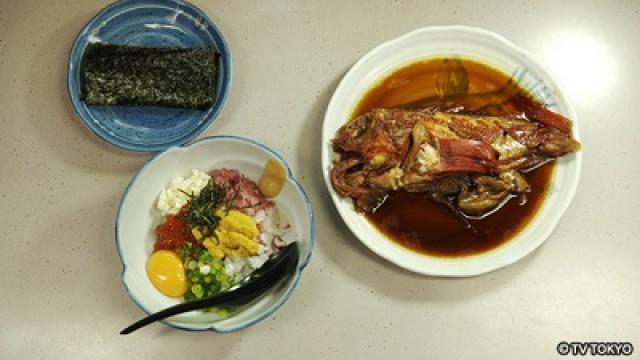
pixel 272 179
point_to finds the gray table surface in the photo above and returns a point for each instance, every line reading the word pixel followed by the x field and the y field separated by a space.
pixel 61 296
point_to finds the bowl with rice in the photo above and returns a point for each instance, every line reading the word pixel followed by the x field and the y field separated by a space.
pixel 196 220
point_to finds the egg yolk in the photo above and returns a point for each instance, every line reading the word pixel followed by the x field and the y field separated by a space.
pixel 166 272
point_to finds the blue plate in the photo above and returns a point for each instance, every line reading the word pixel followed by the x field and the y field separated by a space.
pixel 152 23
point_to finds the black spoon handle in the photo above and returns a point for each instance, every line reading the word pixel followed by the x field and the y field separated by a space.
pixel 181 308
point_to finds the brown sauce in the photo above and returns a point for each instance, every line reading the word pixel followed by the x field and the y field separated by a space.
pixel 422 225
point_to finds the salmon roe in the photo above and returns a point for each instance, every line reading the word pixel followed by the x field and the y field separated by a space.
pixel 171 234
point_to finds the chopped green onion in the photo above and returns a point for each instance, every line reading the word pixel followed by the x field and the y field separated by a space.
pixel 189 296
pixel 205 258
pixel 197 290
pixel 222 312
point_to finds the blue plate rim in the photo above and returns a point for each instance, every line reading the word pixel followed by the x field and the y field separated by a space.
pixel 214 111
pixel 303 264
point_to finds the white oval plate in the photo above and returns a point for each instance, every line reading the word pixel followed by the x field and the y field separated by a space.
pixel 137 218
pixel 464 42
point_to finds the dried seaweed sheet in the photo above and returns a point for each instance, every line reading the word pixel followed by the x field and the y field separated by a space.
pixel 127 75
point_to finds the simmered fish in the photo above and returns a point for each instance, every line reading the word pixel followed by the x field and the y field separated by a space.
pixel 474 159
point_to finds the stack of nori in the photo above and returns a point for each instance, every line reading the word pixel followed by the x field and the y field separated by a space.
pixel 126 75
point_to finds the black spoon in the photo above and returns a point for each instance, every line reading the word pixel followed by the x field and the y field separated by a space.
pixel 283 265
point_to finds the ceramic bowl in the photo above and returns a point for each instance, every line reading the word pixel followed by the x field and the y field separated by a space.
pixel 149 23
pixel 137 218
pixel 464 42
